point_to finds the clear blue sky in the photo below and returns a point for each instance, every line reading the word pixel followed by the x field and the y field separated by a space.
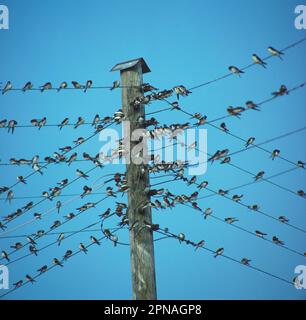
pixel 183 43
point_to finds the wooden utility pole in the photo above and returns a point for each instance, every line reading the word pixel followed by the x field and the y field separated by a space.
pixel 137 175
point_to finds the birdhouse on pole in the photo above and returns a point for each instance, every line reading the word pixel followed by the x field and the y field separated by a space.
pixel 130 64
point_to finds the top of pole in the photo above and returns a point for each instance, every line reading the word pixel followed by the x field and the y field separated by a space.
pixel 131 63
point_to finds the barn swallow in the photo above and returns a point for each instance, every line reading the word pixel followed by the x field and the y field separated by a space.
pixel 95 240
pixel 58 206
pixel 192 180
pixel 17 246
pixel 116 84
pixel 114 238
pixel 301 193
pixel 72 158
pixel 8 86
pixel 63 123
pixel 18 284
pixel 301 164
pixel 65 149
pixel 200 244
pixel 105 214
pixel 201 121
pixel 226 160
pixel 88 85
pixel 202 185
pixel 3 123
pixel 235 70
pixel 146 87
pixel 2 226
pixel 276 240
pixel 29 278
pixel 235 111
pixel 260 234
pixel 236 197
pixel 231 220
pixel 181 237
pixel 37 168
pixel 63 183
pixel 249 141
pixel 207 212
pixel 76 85
pixel 69 216
pixel 259 61
pixel 251 105
pixel 253 207
pixel 259 175
pixel 87 190
pixel 275 52
pixel 109 192
pixel 60 238
pixel 81 174
pixel 245 261
pixel 181 91
pixel 275 153
pixel 11 126
pixel 223 127
pixel 5 255
pixel 283 219
pixel 57 262
pixel 46 86
pixel 83 248
pixel 37 215
pixel 10 196
pixel 21 179
pixel 282 90
pixel 195 206
pixel 222 192
pixel 67 255
pixel 63 85
pixel 30 240
pixel 33 249
pixel 197 115
pixel 79 122
pixel 27 86
pixel 218 252
pixel 42 269
pixel 95 120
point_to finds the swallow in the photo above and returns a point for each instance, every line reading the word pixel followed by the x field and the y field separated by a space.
pixel 88 85
pixel 251 105
pixel 181 237
pixel 2 226
pixel 275 52
pixel 235 111
pixel 11 126
pixel 37 168
pixel 181 91
pixel 219 252
pixel 31 241
pixel 57 262
pixel 17 246
pixel 283 219
pixel 18 284
pixel 69 216
pixel 28 206
pixel 105 214
pixel 55 192
pixel 237 198
pixel 29 278
pixel 195 206
pixel 86 206
pixel 226 160
pixel 67 255
pixel 65 149
pixel 95 240
pixel 276 240
pixel 87 190
pixel 63 183
pixel 202 185
pixel 37 215
pixel 10 196
pixel 245 261
pixel 254 207
pixel 72 158
pixel 301 164
pixel 301 193
pixel 230 220
pixel 81 174
pixel 79 122
pixel 223 127
pixel 192 180
pixel 58 206
pixel 5 255
pixel 116 84
pixel 33 249
pixel 3 123
pixel 201 121
pixel 63 123
pixel 76 85
pixel 235 70
pixel 60 239
pixel 146 87
pixel 83 248
pixel 27 86
pixel 222 192
pixel 95 120
pixel 207 212
pixel 259 175
pixel 7 87
pixel 21 179
pixel 62 86
pixel 259 61
pixel 42 269
pixel 109 192
pixel 46 86
pixel 282 91
pixel 250 141
pixel 275 153
pixel 114 239
pixel 260 234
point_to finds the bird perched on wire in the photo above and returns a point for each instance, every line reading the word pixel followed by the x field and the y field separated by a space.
pixel 5 255
pixel 18 284
pixel 260 234
pixel 3 123
pixel 282 91
pixel 275 153
pixel 116 84
pixel 86 190
pixel 95 240
pixel 201 121
pixel 42 269
pixel 200 244
pixel 10 196
pixel 230 220
pixel 81 174
pixel 237 198
pixel 33 249
pixel 283 219
pixel 275 52
pixel 95 120
pixel 11 126
pixel 67 255
pixel 146 87
pixel 235 111
pixel 62 86
pixel 7 87
pixel 63 123
pixel 301 193
pixel 72 158
pixel 259 61
pixel 202 185
pixel 207 212
pixel 76 85
pixel 251 105
pixel 79 122
pixel 226 160
pixel 57 262
pixel 259 175
pixel 301 164
pixel 46 86
pixel 27 86
pixel 60 238
pixel 250 141
pixel 181 91
pixel 88 85
pixel 83 248
pixel 21 179
pixel 17 246
pixel 219 252
pixel 276 240
pixel 235 70
pixel 245 261
pixel 29 278
pixel 223 127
